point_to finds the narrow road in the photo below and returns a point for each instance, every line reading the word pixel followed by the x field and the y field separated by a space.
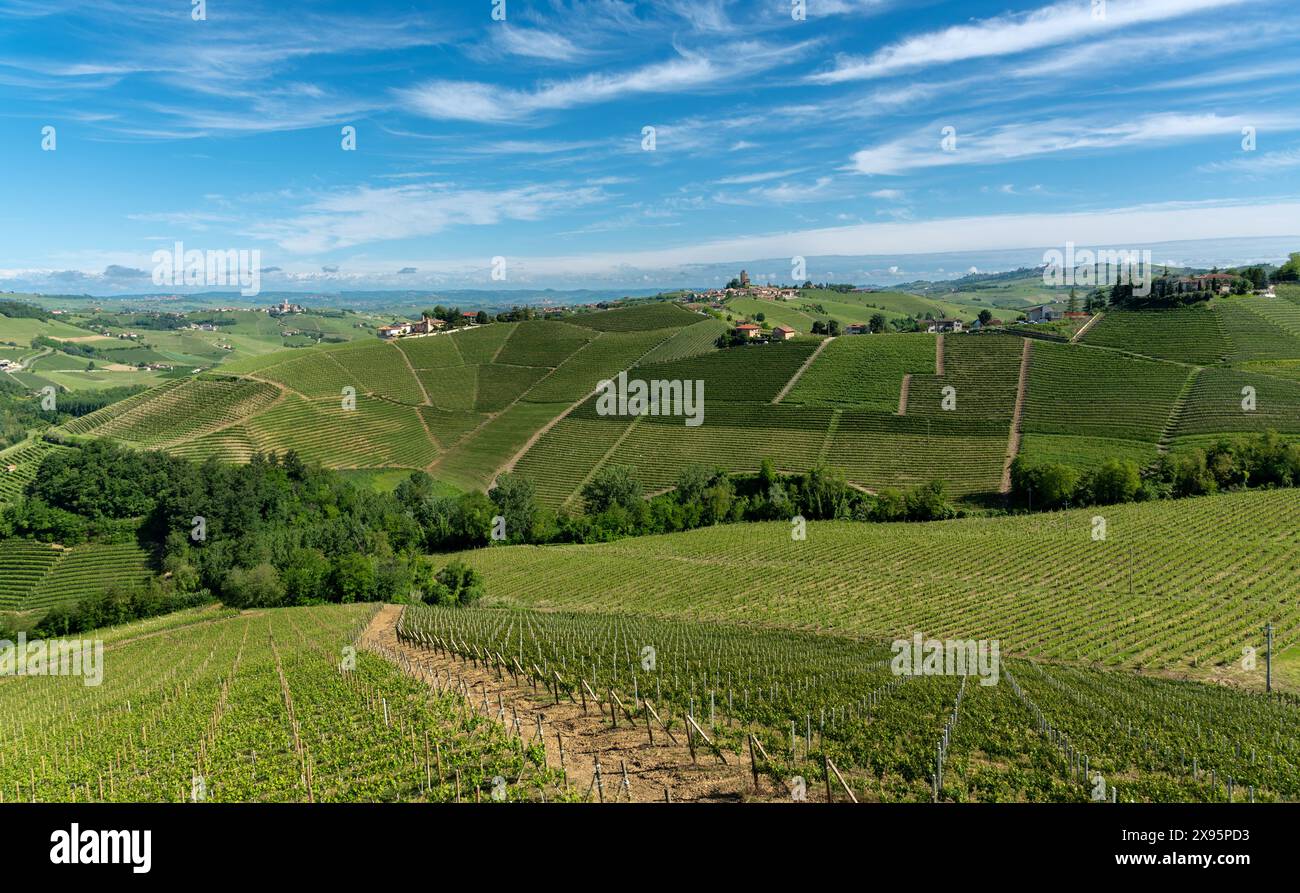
pixel 800 371
pixel 1013 441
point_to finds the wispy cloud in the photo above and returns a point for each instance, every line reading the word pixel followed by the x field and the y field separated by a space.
pixel 490 103
pixel 1257 163
pixel 536 44
pixel 1011 142
pixel 1009 34
pixel 757 177
pixel 366 215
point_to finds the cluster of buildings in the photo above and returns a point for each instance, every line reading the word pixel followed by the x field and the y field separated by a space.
pixel 754 332
pixel 284 308
pixel 427 325
pixel 714 297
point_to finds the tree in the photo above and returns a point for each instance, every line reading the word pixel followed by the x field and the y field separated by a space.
pixel 305 574
pixel 1116 480
pixel 1072 305
pixel 986 316
pixel 613 485
pixel 927 502
pixel 354 577
pixel 482 318
pixel 878 323
pixel 1045 485
pixel 833 328
pixel 516 501
pixel 255 587
pixel 414 490
pixel 456 584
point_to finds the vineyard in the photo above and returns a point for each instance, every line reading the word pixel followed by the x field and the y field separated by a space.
pixel 18 466
pixel 275 706
pixel 1187 335
pixel 459 405
pixel 864 372
pixel 1084 406
pixel 831 711
pixel 867 439
pixel 35 576
pixel 1179 586
pixel 1219 403
pixel 467 405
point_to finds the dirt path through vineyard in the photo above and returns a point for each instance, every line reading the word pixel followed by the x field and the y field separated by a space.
pixel 587 737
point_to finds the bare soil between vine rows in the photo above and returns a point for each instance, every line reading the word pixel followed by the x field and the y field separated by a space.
pixel 588 737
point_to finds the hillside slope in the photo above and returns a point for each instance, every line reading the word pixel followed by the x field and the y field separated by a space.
pixel 1173 582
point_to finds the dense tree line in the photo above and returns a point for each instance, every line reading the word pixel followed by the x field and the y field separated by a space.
pixel 279 532
pixel 1231 463
pixel 272 532
pixel 23 310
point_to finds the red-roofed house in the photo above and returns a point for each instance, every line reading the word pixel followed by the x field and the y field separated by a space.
pixel 749 330
pixel 783 333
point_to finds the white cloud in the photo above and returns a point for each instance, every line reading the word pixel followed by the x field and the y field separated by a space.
pixel 1180 221
pixel 367 215
pixel 488 103
pixel 1008 34
pixel 889 195
pixel 760 177
pixel 1258 163
pixel 780 194
pixel 1010 142
pixel 536 43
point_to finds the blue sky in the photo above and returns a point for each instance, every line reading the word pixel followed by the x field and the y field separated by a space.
pixel 774 136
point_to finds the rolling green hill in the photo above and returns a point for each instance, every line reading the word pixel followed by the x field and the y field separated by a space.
pixel 518 396
pixel 1174 583
pixel 460 405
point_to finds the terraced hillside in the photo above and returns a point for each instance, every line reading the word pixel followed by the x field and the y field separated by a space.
pixel 1174 584
pixel 460 405
pixel 35 576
